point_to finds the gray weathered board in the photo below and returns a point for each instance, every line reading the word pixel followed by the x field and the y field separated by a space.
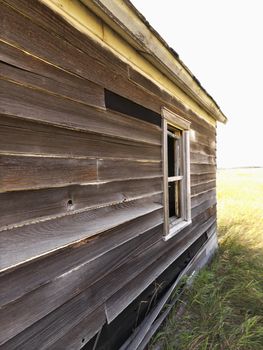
pixel 81 185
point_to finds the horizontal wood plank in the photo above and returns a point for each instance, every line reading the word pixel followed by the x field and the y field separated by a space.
pixel 23 244
pixel 203 206
pixel 197 169
pixel 201 127
pixel 68 286
pixel 18 282
pixel 146 83
pixel 203 149
pixel 122 298
pixel 20 207
pixel 199 158
pixel 48 78
pixel 202 187
pixel 33 138
pixel 31 173
pixel 43 43
pixel 169 253
pixel 96 293
pixel 54 23
pixel 78 336
pixel 203 196
pixel 46 18
pixel 197 124
pixel 117 169
pixel 205 138
pixel 131 269
pixel 23 102
pixel 62 145
pixel 20 173
pixel 197 179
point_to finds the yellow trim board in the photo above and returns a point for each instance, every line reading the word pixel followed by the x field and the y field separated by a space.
pixel 84 20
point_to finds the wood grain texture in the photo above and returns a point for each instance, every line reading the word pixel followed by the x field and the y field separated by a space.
pixel 80 185
pixel 45 44
pixel 112 281
pixel 203 196
pixel 197 179
pixel 46 18
pixel 55 81
pixel 198 124
pixel 23 244
pixel 20 173
pixel 49 20
pixel 20 207
pixel 27 103
pixel 23 280
pixel 199 158
pixel 202 187
pixel 197 169
pixel 208 204
pixel 204 139
pixel 50 296
pixel 146 83
pixel 126 272
pixel 78 336
pixel 46 332
pixel 115 169
pixel 59 29
pixel 122 298
pixel 33 138
pixel 196 147
pixel 58 323
pixel 30 173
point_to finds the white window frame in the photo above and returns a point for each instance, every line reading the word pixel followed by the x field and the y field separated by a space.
pixel 172 227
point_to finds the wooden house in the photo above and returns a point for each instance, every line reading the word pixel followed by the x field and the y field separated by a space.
pixel 107 174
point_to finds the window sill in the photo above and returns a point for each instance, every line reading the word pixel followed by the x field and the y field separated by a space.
pixel 175 229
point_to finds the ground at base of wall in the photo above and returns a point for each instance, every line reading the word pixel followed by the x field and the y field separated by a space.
pixel 224 307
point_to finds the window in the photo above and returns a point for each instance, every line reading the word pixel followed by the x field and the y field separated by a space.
pixel 176 171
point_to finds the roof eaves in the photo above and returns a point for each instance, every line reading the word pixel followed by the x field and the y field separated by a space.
pixel 148 41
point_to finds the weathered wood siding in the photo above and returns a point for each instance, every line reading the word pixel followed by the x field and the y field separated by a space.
pixel 81 185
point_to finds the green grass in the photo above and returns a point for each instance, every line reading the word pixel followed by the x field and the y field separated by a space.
pixel 224 308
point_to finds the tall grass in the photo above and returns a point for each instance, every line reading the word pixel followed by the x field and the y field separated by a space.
pixel 224 309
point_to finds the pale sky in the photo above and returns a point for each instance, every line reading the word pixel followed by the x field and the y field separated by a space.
pixel 221 42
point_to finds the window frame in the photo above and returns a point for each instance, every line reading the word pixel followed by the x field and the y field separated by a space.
pixel 174 225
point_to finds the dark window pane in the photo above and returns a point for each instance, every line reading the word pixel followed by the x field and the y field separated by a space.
pixel 123 105
pixel 174 169
pixel 171 188
pixel 174 199
pixel 177 199
pixel 171 154
pixel 177 158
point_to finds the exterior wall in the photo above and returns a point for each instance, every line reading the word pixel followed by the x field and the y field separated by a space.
pixel 82 18
pixel 81 185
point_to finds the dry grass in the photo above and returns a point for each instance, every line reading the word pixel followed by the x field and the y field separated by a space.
pixel 225 305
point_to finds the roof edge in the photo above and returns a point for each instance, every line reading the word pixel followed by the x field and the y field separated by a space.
pixel 130 24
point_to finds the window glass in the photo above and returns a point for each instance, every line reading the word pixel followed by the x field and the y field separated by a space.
pixel 172 195
pixel 174 159
pixel 176 170
pixel 174 199
pixel 178 158
pixel 174 152
pixel 171 156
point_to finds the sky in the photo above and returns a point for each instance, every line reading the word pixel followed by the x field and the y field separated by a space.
pixel 221 42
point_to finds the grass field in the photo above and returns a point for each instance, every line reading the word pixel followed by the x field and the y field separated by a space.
pixel 224 309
